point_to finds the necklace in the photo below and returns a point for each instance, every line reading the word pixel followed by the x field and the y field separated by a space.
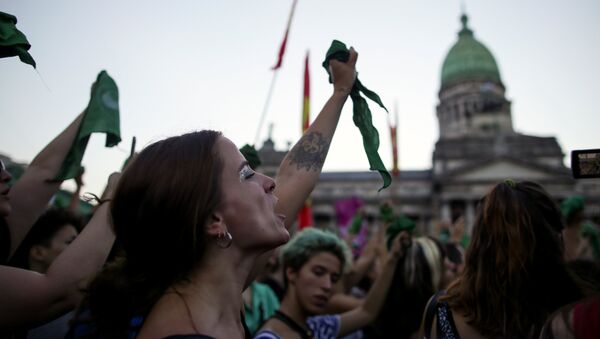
pixel 303 332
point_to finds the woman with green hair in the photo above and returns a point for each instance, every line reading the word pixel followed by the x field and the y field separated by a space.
pixel 313 263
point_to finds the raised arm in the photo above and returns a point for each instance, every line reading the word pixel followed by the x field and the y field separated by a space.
pixel 367 312
pixel 365 261
pixel 30 195
pixel 29 298
pixel 300 169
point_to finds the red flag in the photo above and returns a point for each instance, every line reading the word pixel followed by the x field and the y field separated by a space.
pixel 305 218
pixel 305 215
pixel 393 133
pixel 285 38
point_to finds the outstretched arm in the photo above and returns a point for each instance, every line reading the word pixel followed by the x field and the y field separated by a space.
pixel 30 298
pixel 369 309
pixel 300 169
pixel 31 193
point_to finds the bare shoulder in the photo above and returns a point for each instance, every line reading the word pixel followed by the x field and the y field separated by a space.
pixel 166 318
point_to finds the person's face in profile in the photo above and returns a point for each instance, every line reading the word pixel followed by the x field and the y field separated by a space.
pixel 248 203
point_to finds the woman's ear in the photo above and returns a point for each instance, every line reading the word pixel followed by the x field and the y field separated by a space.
pixel 37 253
pixel 215 225
pixel 291 275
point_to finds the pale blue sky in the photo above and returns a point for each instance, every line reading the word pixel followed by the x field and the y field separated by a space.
pixel 189 65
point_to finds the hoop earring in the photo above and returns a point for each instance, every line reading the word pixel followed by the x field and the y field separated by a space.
pixel 224 240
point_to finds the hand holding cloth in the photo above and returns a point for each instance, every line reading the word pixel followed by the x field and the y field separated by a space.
pixel 101 115
pixel 362 114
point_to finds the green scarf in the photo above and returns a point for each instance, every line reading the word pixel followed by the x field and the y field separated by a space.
pixel 12 41
pixel 101 115
pixel 399 224
pixel 386 213
pixel 356 224
pixel 362 113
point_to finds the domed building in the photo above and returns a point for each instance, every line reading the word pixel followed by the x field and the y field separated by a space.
pixel 477 148
pixel 477 144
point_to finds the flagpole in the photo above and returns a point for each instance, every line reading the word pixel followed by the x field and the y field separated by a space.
pixel 275 71
pixel 265 107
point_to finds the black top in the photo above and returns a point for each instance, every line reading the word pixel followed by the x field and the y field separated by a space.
pixel 303 332
pixel 446 329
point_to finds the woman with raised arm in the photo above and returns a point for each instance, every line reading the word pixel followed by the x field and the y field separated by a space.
pixel 28 298
pixel 23 203
pixel 193 218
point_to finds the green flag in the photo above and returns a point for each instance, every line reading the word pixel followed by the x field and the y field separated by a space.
pixel 362 113
pixel 101 115
pixel 12 41
pixel 251 155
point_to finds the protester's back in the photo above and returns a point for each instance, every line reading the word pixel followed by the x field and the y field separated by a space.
pixel 515 274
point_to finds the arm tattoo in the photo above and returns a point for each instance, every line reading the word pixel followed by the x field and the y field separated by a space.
pixel 310 152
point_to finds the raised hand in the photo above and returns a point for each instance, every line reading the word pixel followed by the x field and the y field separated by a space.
pixel 343 74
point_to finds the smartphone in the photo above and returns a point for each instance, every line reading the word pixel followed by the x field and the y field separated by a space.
pixel 585 163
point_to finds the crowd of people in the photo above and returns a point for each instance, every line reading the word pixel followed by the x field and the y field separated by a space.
pixel 189 241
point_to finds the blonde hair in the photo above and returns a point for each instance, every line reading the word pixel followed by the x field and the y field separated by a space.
pixel 433 257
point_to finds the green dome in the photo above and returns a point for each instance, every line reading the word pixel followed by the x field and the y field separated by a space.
pixel 468 59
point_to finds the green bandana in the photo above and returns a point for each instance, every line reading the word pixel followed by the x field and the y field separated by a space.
pixel 12 41
pixel 399 224
pixel 362 113
pixel 101 115
pixel 251 155
pixel 572 205
pixel 386 213
pixel 356 224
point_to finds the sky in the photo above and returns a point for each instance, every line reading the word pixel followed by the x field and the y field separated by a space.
pixel 188 65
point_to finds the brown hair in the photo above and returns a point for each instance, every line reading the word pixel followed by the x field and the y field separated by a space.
pixel 515 274
pixel 160 206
